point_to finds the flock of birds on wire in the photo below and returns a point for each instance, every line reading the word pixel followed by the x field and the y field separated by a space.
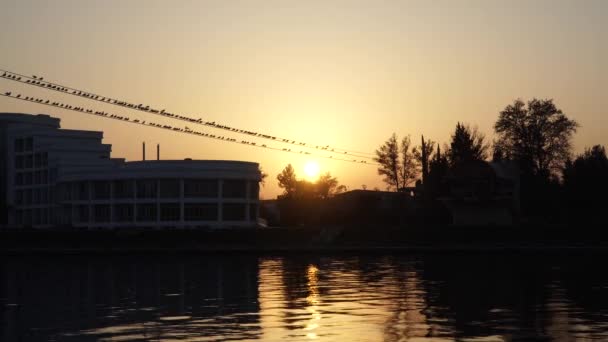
pixel 39 81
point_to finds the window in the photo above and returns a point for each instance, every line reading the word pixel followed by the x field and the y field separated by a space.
pixel 45 177
pixel 123 189
pixel 169 212
pixel 19 162
pixel 27 178
pixel 254 190
pixel 19 217
pixel 202 188
pixel 36 196
pixel 169 188
pixel 19 179
pixel 29 161
pixel 45 159
pixel 146 212
pixel 27 196
pixel 123 213
pixel 19 145
pixel 200 212
pixel 29 144
pixel 37 177
pixel 101 213
pixel 146 189
pixel 38 160
pixel 19 197
pixel 82 213
pixel 234 189
pixel 101 190
pixel 44 195
pixel 82 191
pixel 233 212
pixel 27 217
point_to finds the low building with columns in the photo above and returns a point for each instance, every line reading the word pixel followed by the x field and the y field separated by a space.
pixel 58 177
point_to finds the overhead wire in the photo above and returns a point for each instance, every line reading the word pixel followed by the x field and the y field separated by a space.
pixel 185 130
pixel 40 82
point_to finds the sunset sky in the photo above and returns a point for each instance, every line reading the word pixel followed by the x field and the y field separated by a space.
pixel 343 73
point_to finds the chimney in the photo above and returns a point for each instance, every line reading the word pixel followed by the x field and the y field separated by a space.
pixel 157 151
pixel 143 150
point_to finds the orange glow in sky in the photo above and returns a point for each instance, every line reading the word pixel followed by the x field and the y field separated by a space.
pixel 340 73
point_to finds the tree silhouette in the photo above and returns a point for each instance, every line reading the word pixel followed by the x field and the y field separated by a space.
pixel 586 184
pixel 388 158
pixel 397 162
pixel 537 136
pixel 327 186
pixel 287 181
pixel 467 145
pixel 408 171
pixel 423 154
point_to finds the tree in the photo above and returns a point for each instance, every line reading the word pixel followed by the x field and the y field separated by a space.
pixel 586 184
pixel 388 158
pixel 263 176
pixel 537 136
pixel 408 171
pixel 287 181
pixel 327 185
pixel 396 162
pixel 467 145
pixel 422 154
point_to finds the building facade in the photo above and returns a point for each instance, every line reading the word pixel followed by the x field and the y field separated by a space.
pixel 484 194
pixel 57 177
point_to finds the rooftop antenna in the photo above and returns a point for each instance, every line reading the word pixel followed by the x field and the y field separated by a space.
pixel 157 151
pixel 143 150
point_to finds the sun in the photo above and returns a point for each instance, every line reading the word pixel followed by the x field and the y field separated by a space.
pixel 311 169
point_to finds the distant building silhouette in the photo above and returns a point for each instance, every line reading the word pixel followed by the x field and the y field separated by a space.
pixel 483 193
pixel 57 177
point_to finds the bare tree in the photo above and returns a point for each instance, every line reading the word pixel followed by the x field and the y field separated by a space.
pixel 388 158
pixel 408 171
pixel 538 136
pixel 287 180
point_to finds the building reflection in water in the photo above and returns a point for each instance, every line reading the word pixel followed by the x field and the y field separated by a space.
pixel 303 298
pixel 132 299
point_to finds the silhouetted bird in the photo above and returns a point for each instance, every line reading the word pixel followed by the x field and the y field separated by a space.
pixel 18 96
pixel 34 76
pixel 8 93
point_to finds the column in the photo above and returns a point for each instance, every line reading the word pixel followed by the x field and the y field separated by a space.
pixel 220 186
pixel 181 203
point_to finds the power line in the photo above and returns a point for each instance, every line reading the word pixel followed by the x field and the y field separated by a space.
pixel 39 81
pixel 185 130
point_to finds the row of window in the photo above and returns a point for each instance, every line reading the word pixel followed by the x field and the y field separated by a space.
pixel 32 196
pixel 28 161
pixel 169 212
pixel 34 216
pixel 164 188
pixel 32 178
pixel 24 144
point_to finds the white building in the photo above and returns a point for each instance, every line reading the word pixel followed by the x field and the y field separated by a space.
pixel 57 177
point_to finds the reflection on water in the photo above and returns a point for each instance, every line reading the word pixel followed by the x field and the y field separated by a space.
pixel 303 298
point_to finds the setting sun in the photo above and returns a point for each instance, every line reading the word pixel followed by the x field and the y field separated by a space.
pixel 311 169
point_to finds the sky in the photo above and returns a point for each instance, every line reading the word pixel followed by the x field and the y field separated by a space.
pixel 339 73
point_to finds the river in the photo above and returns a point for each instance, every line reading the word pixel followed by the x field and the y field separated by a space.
pixel 436 297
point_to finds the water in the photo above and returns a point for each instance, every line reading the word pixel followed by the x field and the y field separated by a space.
pixel 446 297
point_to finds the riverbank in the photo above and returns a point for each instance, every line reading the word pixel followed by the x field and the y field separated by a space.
pixel 382 240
